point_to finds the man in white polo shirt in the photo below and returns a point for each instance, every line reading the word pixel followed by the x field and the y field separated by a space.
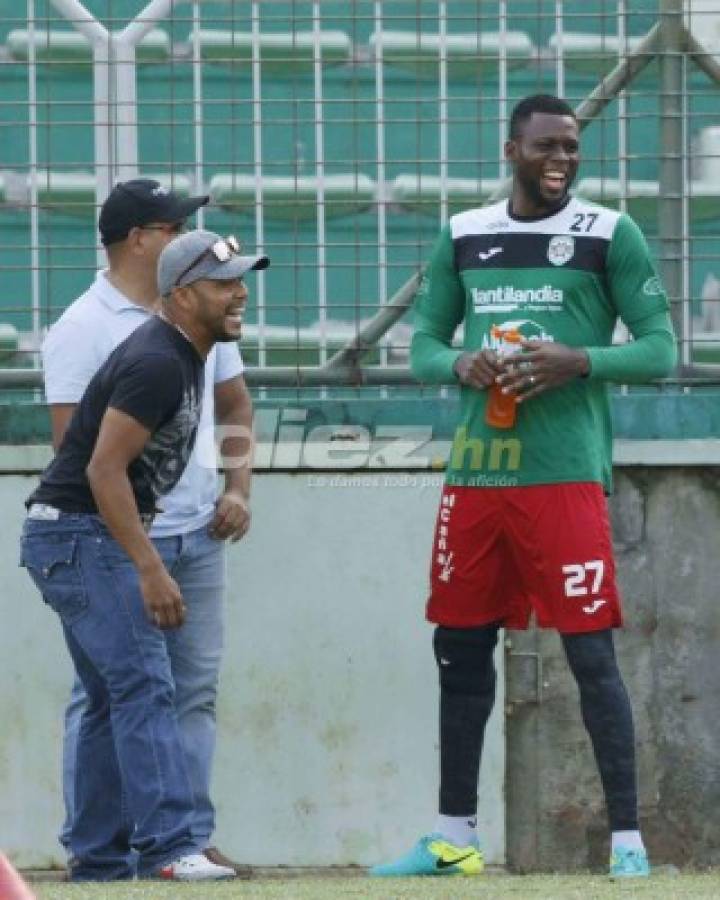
pixel 138 219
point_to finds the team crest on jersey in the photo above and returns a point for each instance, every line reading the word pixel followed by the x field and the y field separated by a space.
pixel 561 249
pixel 653 287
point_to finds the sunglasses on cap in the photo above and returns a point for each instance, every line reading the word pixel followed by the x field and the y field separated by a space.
pixel 222 250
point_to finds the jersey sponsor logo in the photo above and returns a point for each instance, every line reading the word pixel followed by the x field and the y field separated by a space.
pixel 493 251
pixel 507 336
pixel 499 225
pixel 653 287
pixel 508 298
pixel 561 249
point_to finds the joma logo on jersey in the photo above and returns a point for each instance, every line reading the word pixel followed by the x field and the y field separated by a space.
pixel 508 297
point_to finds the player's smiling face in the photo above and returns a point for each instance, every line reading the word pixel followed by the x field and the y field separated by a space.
pixel 222 306
pixel 545 158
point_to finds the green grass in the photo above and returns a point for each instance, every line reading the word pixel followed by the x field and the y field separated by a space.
pixel 497 887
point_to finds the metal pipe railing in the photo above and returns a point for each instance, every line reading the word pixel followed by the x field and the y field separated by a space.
pixel 383 320
pixel 101 41
pixel 145 20
pixel 670 201
pixel 705 61
pixel 274 376
pixel 703 375
pixel 33 160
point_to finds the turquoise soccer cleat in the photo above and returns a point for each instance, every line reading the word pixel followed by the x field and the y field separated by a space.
pixel 433 855
pixel 625 863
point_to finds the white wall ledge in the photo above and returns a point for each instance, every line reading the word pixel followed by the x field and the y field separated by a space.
pixel 32 458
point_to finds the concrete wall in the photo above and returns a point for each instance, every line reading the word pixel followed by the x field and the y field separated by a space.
pixel 666 524
pixel 327 723
pixel 327 748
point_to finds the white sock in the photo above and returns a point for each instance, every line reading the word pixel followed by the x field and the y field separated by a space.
pixel 459 830
pixel 630 840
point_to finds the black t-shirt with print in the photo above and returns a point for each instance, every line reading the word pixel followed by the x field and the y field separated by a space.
pixel 155 376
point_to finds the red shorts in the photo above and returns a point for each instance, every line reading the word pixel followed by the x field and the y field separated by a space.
pixel 501 553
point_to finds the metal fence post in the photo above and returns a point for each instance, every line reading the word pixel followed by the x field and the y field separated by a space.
pixel 670 209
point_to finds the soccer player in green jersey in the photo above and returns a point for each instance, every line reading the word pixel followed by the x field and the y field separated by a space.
pixel 539 282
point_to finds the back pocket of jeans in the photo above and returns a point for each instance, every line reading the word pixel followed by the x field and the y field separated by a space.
pixel 53 564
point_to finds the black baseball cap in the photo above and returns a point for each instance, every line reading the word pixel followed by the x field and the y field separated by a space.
pixel 131 204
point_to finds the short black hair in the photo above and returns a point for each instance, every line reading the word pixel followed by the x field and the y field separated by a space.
pixel 537 103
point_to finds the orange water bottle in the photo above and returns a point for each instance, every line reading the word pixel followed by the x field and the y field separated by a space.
pixel 501 409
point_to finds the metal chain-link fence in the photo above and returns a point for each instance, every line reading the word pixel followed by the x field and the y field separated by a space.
pixel 337 137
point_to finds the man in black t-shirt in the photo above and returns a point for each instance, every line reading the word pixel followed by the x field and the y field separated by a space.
pixel 85 545
pixel 154 377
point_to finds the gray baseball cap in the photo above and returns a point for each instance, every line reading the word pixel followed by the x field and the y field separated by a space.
pixel 202 254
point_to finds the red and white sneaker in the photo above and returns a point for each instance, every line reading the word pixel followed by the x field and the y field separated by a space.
pixel 194 867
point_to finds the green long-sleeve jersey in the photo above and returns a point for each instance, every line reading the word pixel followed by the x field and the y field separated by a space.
pixel 567 277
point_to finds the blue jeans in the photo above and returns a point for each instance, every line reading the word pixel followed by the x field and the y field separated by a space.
pixel 197 563
pixel 129 747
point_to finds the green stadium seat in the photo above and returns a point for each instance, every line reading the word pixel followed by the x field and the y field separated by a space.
pixel 286 345
pixel 71 192
pixel 289 345
pixel 705 200
pixel 704 191
pixel 73 48
pixel 422 193
pixel 591 54
pixel 287 197
pixel 74 192
pixel 706 153
pixel 9 339
pixel 3 189
pixel 643 197
pixel 280 53
pixel 468 55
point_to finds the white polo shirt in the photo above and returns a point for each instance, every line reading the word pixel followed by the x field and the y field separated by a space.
pixel 80 342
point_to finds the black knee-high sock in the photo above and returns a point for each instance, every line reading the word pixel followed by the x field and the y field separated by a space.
pixel 467 692
pixel 608 718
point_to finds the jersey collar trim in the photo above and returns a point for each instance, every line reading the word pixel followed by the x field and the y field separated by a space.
pixel 511 214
